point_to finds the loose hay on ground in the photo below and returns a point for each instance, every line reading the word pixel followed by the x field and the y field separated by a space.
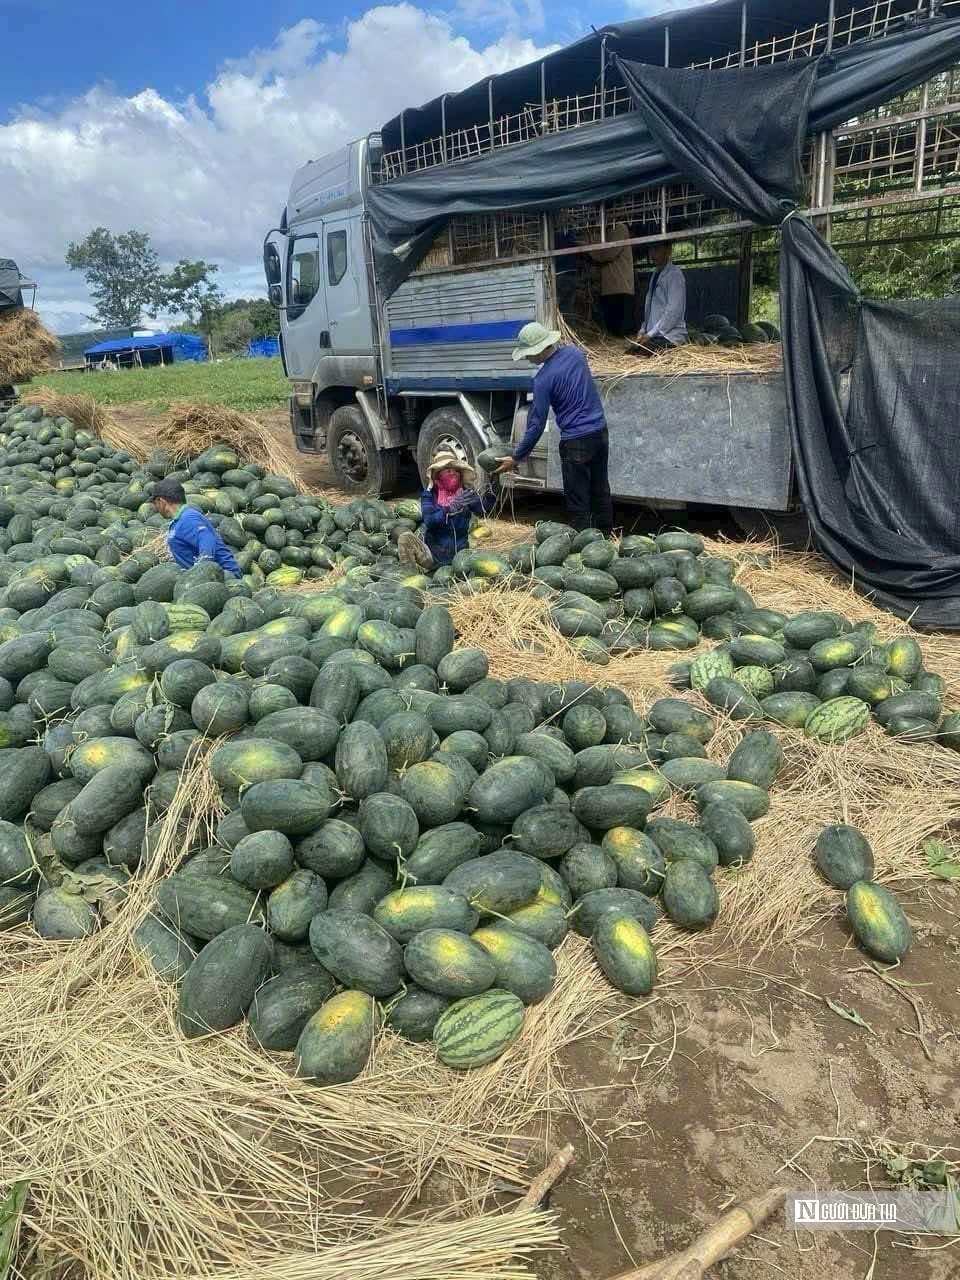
pixel 192 426
pixel 150 1156
pixel 26 346
pixel 84 411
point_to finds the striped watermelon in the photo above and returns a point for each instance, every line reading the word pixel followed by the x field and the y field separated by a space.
pixel 838 719
pixel 478 1030
pixel 707 666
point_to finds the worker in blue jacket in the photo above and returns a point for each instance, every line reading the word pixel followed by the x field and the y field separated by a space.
pixel 191 536
pixel 565 384
pixel 446 507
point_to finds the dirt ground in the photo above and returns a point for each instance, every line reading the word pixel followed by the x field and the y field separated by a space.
pixel 739 1077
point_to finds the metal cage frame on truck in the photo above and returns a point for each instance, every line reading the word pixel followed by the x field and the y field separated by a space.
pixel 890 177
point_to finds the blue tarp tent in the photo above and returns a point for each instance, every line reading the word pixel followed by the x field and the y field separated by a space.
pixel 263 347
pixel 149 349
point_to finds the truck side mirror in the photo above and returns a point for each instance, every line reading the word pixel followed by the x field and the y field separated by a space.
pixel 272 266
pixel 275 294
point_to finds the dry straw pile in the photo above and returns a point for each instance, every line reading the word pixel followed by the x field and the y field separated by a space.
pixel 148 1156
pixel 192 426
pixel 84 411
pixel 26 346
pixel 152 1157
pixel 608 359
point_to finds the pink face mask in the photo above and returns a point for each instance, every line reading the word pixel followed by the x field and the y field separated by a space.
pixel 447 485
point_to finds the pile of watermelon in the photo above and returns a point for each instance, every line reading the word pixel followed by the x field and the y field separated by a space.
pixel 815 671
pixel 404 837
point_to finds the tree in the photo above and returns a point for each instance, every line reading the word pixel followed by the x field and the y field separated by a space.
pixel 189 290
pixel 264 319
pixel 122 273
pixel 235 330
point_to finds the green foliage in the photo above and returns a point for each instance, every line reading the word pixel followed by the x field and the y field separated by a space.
pixel 189 290
pixel 122 273
pixel 247 385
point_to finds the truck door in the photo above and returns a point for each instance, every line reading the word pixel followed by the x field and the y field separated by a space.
pixel 306 333
pixel 348 304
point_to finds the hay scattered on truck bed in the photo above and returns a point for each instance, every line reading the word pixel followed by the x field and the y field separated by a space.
pixel 192 426
pixel 608 359
pixel 26 345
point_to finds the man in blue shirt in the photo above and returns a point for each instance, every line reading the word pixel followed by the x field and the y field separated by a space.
pixel 191 536
pixel 665 309
pixel 565 384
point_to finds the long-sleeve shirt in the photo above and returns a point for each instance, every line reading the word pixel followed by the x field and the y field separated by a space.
pixel 446 532
pixel 191 537
pixel 616 263
pixel 665 311
pixel 564 384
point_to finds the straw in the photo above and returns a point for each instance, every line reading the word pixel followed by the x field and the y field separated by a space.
pixel 26 346
pixel 607 357
pixel 84 411
pixel 193 426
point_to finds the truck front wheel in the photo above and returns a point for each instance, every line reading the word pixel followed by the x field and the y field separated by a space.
pixel 448 429
pixel 358 465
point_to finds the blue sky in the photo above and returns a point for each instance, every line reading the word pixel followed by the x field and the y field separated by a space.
pixel 189 122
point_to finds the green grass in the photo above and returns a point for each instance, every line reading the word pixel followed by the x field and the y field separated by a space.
pixel 247 385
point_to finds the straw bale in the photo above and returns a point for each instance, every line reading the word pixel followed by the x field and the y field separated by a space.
pixel 26 346
pixel 192 426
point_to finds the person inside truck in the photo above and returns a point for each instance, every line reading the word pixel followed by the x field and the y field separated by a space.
pixel 446 507
pixel 564 383
pixel 665 309
pixel 191 536
pixel 566 270
pixel 618 290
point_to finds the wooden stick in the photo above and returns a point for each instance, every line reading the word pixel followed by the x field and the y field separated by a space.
pixel 543 1182
pixel 714 1244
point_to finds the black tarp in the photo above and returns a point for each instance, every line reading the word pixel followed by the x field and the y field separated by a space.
pixel 11 283
pixel 878 480
pixel 620 156
pixel 695 34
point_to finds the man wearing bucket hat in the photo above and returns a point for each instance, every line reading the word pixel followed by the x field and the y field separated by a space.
pixel 565 384
pixel 446 506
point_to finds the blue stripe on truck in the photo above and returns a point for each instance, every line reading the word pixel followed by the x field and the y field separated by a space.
pixel 433 335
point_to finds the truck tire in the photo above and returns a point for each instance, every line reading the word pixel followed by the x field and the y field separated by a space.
pixel 358 465
pixel 448 428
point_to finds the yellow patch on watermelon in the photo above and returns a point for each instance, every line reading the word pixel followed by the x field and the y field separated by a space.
pixel 631 936
pixel 339 1012
pixel 184 641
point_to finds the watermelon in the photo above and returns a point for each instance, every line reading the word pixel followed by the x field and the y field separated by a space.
pixel 878 921
pixel 843 856
pixel 838 720
pixel 625 954
pixel 478 1030
pixel 689 895
pixel 523 964
pixel 220 985
pixel 336 1042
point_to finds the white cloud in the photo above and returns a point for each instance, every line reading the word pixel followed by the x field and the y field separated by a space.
pixel 208 176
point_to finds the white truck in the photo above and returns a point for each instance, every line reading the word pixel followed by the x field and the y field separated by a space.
pixel 379 377
pixel 373 382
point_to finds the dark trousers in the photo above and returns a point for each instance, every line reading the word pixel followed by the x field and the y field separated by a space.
pixel 619 313
pixel 586 485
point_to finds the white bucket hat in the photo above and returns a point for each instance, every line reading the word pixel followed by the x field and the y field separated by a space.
pixel 445 459
pixel 534 338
